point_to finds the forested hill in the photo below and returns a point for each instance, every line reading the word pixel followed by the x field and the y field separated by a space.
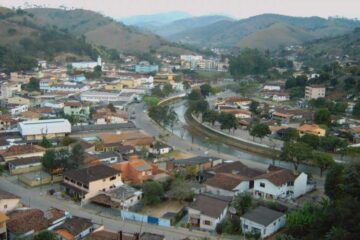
pixel 266 31
pixel 101 30
pixel 328 49
pixel 22 40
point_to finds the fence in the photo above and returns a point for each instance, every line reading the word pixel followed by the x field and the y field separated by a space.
pixel 144 218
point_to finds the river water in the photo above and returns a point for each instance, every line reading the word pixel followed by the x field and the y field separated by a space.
pixel 184 131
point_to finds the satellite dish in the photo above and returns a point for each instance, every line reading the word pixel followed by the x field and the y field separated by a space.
pixel 232 210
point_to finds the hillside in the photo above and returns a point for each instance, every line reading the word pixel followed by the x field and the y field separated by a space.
pixel 153 21
pixel 23 40
pixel 187 24
pixel 325 50
pixel 101 30
pixel 285 29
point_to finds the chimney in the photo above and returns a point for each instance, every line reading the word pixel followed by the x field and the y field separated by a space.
pixel 120 235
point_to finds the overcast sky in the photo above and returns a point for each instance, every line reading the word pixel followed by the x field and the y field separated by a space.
pixel 235 8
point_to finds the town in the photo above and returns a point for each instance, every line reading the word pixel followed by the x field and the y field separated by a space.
pixel 102 144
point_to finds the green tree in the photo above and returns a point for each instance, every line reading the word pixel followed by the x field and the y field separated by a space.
pixel 242 203
pixel 249 61
pixel 323 161
pixel 292 134
pixel 153 192
pixel 260 130
pixel 205 90
pixel 33 85
pixel 200 106
pixel 332 143
pixel 49 160
pixel 195 95
pixel 167 89
pixel 77 155
pixel 186 85
pixel 151 100
pixel 322 116
pixel 45 143
pixel 228 121
pixel 333 181
pixel 301 220
pixel 356 110
pixel 311 140
pixel 66 141
pixel 45 235
pixel 181 190
pixel 210 116
pixel 296 153
pixel 254 105
pixel 111 107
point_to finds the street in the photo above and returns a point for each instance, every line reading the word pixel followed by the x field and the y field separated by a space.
pixel 36 199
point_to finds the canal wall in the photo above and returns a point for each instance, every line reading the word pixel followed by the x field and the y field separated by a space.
pixel 222 137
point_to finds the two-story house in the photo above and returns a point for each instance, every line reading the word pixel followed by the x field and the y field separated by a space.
pixel 87 182
pixel 280 183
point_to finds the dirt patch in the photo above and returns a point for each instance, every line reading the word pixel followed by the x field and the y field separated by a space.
pixel 162 208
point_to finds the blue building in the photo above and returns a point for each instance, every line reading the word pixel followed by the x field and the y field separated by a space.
pixel 77 78
pixel 146 67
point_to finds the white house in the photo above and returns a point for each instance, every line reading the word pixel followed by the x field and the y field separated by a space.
pixel 263 221
pixel 280 97
pixel 95 96
pixel 15 109
pixel 50 128
pixel 87 65
pixel 207 211
pixel 63 87
pixel 227 184
pixel 280 183
pixel 272 87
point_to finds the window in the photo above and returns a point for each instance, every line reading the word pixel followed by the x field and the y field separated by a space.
pixel 207 222
pixel 112 178
pixel 262 184
pixel 5 206
pixel 246 226
pixel 291 183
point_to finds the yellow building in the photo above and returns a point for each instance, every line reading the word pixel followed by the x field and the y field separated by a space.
pixel 114 87
pixel 131 83
pixel 313 129
pixel 19 101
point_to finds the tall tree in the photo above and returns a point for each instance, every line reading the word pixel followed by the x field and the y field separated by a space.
pixel 153 192
pixel 296 153
pixel 242 203
pixel 260 130
pixel 210 116
pixel 205 90
pixel 322 116
pixel 323 161
pixel 228 121
pixel 78 155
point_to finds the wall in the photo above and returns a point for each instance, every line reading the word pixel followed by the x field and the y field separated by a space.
pixel 10 204
pixel 197 127
pixel 25 169
pixel 300 185
pixel 144 218
pixel 97 186
pixel 219 191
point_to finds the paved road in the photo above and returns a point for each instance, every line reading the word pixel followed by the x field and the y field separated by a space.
pixel 34 198
pixel 143 121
